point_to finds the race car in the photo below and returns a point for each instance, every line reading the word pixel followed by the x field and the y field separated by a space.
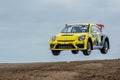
pixel 83 37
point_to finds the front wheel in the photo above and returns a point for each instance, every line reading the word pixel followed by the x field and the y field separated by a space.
pixel 74 51
pixel 55 52
pixel 88 51
pixel 104 50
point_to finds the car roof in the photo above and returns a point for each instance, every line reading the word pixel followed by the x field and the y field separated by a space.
pixel 77 24
pixel 100 26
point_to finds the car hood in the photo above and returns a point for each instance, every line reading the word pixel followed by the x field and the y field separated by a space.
pixel 69 36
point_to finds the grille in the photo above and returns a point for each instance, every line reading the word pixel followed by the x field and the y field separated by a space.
pixel 65 40
pixel 64 46
pixel 80 45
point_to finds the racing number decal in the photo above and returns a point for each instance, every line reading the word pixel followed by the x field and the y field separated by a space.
pixel 96 35
pixel 97 38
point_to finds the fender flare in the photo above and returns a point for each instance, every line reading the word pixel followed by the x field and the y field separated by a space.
pixel 103 39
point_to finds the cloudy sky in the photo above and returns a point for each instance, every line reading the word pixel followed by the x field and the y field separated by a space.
pixel 26 26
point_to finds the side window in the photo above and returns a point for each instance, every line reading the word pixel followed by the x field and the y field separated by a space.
pixel 84 28
pixel 95 29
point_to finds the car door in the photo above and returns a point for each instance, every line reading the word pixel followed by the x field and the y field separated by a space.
pixel 96 34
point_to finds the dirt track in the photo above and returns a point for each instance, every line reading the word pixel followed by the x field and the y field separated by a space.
pixel 82 70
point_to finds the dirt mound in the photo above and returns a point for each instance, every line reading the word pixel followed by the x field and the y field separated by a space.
pixel 81 70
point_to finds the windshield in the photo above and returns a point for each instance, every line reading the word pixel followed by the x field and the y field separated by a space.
pixel 75 29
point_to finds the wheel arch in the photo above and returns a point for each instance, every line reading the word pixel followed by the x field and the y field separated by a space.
pixel 90 40
pixel 105 38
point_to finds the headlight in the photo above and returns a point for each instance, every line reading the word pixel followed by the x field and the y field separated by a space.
pixel 81 38
pixel 53 38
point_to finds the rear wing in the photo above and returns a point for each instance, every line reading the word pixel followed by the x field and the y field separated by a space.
pixel 101 26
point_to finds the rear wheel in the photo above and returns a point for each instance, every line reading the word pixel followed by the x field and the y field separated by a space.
pixel 88 51
pixel 74 51
pixel 55 52
pixel 104 50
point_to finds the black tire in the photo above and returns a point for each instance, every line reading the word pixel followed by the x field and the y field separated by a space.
pixel 55 52
pixel 75 51
pixel 89 48
pixel 105 48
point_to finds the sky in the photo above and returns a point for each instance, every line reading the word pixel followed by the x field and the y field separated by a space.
pixel 27 25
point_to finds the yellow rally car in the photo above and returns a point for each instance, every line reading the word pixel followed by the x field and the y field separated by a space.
pixel 80 37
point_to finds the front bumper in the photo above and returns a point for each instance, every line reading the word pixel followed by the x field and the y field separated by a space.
pixel 75 45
